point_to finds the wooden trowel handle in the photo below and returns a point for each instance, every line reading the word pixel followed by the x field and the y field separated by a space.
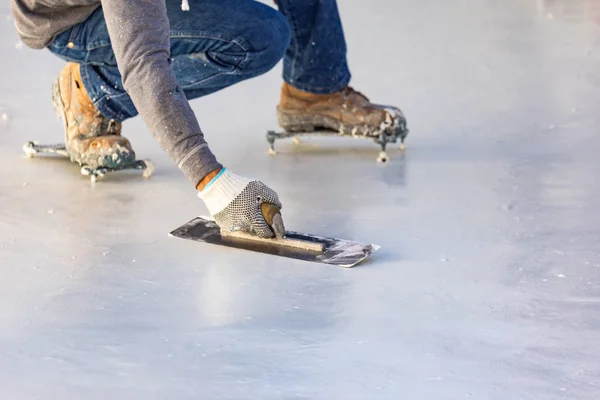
pixel 293 243
pixel 272 216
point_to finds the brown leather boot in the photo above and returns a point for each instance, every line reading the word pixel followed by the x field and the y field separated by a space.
pixel 347 111
pixel 90 138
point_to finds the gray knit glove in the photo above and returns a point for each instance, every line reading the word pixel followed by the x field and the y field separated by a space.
pixel 240 204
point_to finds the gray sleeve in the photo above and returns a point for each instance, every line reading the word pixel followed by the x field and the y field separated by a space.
pixel 139 32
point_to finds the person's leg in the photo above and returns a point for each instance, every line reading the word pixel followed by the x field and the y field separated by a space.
pixel 218 43
pixel 315 60
pixel 215 44
pixel 315 93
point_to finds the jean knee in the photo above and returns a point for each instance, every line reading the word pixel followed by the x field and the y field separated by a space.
pixel 281 34
pixel 269 41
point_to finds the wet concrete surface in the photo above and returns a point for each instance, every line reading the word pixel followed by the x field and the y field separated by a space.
pixel 486 285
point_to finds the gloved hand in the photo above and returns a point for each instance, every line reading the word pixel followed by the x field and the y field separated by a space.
pixel 238 203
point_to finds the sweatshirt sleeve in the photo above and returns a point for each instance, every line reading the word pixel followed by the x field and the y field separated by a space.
pixel 139 33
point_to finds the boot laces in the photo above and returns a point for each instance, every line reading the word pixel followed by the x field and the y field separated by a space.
pixel 112 127
pixel 349 91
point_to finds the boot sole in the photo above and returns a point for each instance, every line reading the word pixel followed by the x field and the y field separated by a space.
pixel 292 122
pixel 296 122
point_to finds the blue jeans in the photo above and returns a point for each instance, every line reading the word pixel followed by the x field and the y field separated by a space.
pixel 218 43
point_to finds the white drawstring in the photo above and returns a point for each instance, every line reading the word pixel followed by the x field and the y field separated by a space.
pixel 185 6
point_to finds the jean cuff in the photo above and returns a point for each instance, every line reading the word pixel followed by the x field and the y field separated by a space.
pixel 100 101
pixel 340 85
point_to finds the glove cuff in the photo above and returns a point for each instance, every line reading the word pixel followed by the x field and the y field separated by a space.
pixel 222 190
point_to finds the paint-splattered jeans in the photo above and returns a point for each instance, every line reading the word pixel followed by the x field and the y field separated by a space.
pixel 218 43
